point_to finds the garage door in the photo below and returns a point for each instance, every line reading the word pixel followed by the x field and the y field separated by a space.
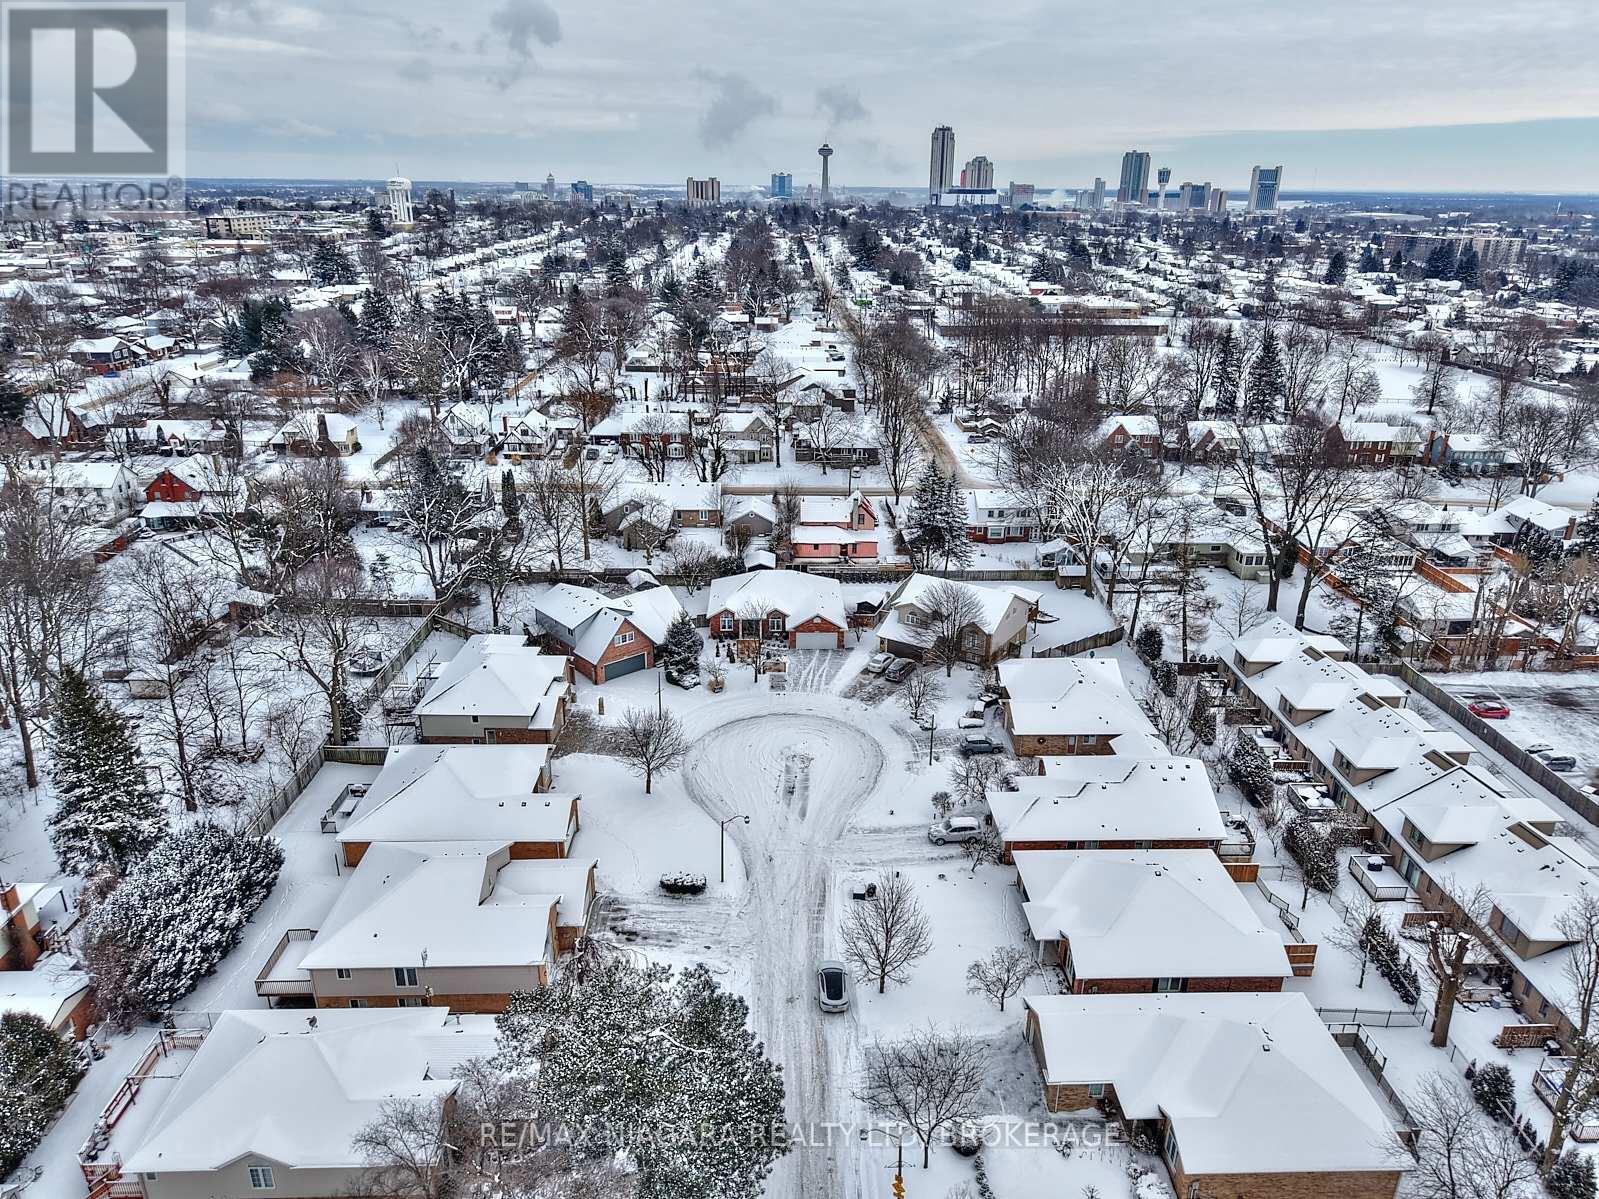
pixel 615 670
pixel 815 640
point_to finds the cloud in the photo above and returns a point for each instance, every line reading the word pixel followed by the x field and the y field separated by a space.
pixel 416 69
pixel 294 127
pixel 735 105
pixel 518 24
pixel 841 105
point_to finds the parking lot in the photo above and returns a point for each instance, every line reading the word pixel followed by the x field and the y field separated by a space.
pixel 1560 710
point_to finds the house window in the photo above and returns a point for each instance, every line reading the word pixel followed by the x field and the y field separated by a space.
pixel 775 624
pixel 405 976
pixel 705 516
pixel 727 623
pixel 357 1003
pixel 1167 986
pixel 342 974
pixel 261 1178
pixel 623 639
pixel 1096 1090
pixel 412 1001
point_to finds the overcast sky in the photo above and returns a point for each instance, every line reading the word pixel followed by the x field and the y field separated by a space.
pixel 1405 94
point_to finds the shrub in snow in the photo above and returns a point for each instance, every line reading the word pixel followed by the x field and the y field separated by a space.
pixel 1313 852
pixel 1165 677
pixel 38 1071
pixel 1149 644
pixel 1571 1177
pixel 680 652
pixel 1392 962
pixel 175 916
pixel 1495 1091
pixel 106 814
pixel 1202 719
pixel 1249 770
pixel 683 883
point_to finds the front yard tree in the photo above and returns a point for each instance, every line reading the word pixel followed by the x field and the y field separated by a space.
pixel 39 1070
pixel 106 813
pixel 650 742
pixel 929 1082
pixel 625 1051
pixel 1001 974
pixel 885 935
pixel 680 652
pixel 951 609
pixel 936 528
pixel 921 692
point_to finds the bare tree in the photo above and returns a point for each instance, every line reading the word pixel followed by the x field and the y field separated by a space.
pixel 1242 608
pixel 1001 974
pixel 973 777
pixel 949 608
pixel 1579 1084
pixel 316 627
pixel 929 1081
pixel 885 935
pixel 651 742
pixel 919 693
pixel 694 562
pixel 1460 1152
pixel 1450 941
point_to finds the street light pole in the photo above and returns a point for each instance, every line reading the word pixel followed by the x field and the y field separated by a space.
pixel 723 844
pixel 931 725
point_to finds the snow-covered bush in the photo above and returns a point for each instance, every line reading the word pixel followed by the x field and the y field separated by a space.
pixel 1571 1177
pixel 1149 644
pixel 1313 852
pixel 1250 771
pixel 175 916
pixel 38 1072
pixel 1165 677
pixel 1392 962
pixel 1495 1091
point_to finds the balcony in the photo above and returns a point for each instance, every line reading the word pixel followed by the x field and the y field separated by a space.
pixel 125 1120
pixel 1383 884
pixel 283 976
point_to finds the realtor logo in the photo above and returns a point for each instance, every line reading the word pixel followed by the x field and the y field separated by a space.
pixel 92 89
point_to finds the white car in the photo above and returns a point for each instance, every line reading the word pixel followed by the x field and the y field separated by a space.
pixel 975 718
pixel 832 986
pixel 955 828
pixel 878 663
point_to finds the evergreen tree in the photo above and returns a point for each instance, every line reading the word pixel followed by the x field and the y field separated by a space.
pixel 1396 263
pixel 689 1061
pixel 1229 372
pixel 330 264
pixel 1149 644
pixel 106 814
pixel 13 403
pixel 963 261
pixel 680 652
pixel 350 715
pixel 1250 771
pixel 1468 267
pixel 1263 393
pixel 1370 264
pixel 1495 1091
pixel 937 520
pixel 510 505
pixel 1441 261
pixel 1202 718
pixel 175 916
pixel 514 351
pixel 374 223
pixel 377 322
pixel 617 278
pixel 1571 1177
pixel 1586 541
pixel 1337 269
pixel 39 1070
pixel 1165 675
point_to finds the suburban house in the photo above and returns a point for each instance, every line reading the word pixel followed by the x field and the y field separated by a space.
pixel 316 433
pixel 106 486
pixel 36 916
pixel 999 617
pixel 685 505
pixel 271 1101
pixel 444 792
pixel 752 514
pixel 104 355
pixel 1246 1095
pixel 1471 453
pixel 1367 443
pixel 835 527
pixel 1107 802
pixel 1212 440
pixel 805 611
pixel 1158 920
pixel 605 637
pixel 1059 706
pixel 458 924
pixel 497 690
pixel 531 434
pixel 1129 433
pixel 635 431
pixel 1447 826
pixel 994 516
pixel 56 989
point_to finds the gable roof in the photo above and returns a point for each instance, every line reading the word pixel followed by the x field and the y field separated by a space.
pixel 1101 797
pixel 495 674
pixel 798 596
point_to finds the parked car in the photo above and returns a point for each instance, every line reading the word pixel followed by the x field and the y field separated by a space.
pixel 974 718
pixel 832 987
pixel 879 663
pixel 1540 750
pixel 901 670
pixel 974 744
pixel 1488 707
pixel 1561 763
pixel 856 472
pixel 976 439
pixel 955 828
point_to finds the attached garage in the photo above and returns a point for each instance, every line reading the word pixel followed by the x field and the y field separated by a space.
pixel 815 640
pixel 615 670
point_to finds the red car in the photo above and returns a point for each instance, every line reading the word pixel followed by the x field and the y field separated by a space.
pixel 1489 707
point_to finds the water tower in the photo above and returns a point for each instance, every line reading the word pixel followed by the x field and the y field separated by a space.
pixel 826 152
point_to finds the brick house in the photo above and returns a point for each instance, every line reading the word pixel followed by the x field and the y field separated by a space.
pixel 1061 706
pixel 446 792
pixel 1110 803
pixel 607 637
pixel 1246 1095
pixel 497 690
pixel 1147 921
pixel 994 516
pixel 800 610
pixel 1130 433
pixel 836 527
pixel 1001 614
pixel 459 924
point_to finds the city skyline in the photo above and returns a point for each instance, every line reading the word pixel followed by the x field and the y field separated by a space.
pixel 512 87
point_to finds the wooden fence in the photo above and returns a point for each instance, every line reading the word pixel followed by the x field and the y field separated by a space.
pixel 1083 644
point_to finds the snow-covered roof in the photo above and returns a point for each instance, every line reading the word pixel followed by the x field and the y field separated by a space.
pixel 434 904
pixel 1101 797
pixel 594 618
pixel 47 991
pixel 470 792
pixel 495 674
pixel 996 602
pixel 1084 696
pixel 798 596
pixel 1159 913
pixel 294 1087
pixel 1252 1083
